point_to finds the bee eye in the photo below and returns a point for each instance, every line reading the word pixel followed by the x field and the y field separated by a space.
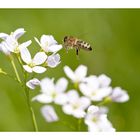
pixel 65 38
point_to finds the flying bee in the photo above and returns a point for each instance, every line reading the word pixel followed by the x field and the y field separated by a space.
pixel 71 42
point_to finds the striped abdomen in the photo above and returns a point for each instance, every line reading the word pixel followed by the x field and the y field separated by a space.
pixel 83 45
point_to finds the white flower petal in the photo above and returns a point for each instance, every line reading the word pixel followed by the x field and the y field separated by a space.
pixel 98 123
pixel 104 80
pixel 81 72
pixel 12 44
pixel 18 33
pixel 119 95
pixel 67 109
pixel 47 40
pixel 27 68
pixel 103 110
pixel 85 89
pixel 92 109
pixel 85 102
pixel 39 58
pixel 39 69
pixel 61 99
pixel 49 113
pixel 104 124
pixel 73 96
pixel 43 98
pixel 47 86
pixel 25 55
pixel 101 93
pixel 24 45
pixel 61 85
pixel 3 36
pixel 79 113
pixel 54 48
pixel 53 60
pixel 92 82
pixel 69 73
pixel 3 48
pixel 33 83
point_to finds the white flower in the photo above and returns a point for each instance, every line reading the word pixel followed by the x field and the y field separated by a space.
pixel 16 34
pixel 49 113
pixel 32 65
pixel 51 92
pixel 76 105
pixel 3 48
pixel 11 41
pixel 53 60
pixel 104 80
pixel 33 83
pixel 92 109
pixel 119 95
pixel 94 88
pixel 97 120
pixel 78 75
pixel 48 44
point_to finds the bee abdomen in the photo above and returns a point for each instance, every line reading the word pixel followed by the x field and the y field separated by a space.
pixel 84 45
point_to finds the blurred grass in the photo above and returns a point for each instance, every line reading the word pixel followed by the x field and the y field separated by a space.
pixel 114 35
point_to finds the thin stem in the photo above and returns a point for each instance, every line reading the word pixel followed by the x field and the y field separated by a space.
pixel 79 124
pixel 15 69
pixel 20 62
pixel 29 103
pixel 105 101
pixel 27 94
pixel 31 110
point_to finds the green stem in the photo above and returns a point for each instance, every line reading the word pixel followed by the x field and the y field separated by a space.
pixel 29 103
pixel 79 124
pixel 15 69
pixel 20 62
pixel 31 110
pixel 26 91
pixel 105 101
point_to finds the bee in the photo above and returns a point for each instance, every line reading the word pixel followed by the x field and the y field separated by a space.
pixel 71 42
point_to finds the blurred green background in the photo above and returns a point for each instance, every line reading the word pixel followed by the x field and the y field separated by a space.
pixel 115 37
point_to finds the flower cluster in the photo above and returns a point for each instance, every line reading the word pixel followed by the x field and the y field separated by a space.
pixel 46 57
pixel 85 101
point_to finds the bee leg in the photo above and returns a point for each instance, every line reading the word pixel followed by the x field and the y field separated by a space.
pixel 77 51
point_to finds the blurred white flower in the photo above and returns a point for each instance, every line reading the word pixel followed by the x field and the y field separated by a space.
pixel 92 109
pixel 16 34
pixel 48 44
pixel 104 80
pixel 51 92
pixel 96 88
pixel 119 95
pixel 97 120
pixel 49 113
pixel 33 64
pixel 78 75
pixel 3 48
pixel 11 41
pixel 33 83
pixel 76 105
pixel 53 60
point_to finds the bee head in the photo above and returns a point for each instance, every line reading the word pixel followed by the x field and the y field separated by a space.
pixel 65 38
